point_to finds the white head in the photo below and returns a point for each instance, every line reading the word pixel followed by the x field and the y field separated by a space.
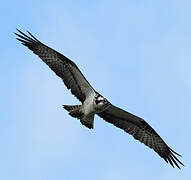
pixel 100 102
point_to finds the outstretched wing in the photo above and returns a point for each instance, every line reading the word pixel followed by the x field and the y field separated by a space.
pixel 141 131
pixel 61 65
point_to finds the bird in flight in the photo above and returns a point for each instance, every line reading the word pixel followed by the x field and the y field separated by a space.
pixel 93 103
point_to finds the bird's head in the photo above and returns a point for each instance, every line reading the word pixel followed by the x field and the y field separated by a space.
pixel 100 102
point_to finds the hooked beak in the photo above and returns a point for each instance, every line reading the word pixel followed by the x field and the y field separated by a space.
pixel 105 101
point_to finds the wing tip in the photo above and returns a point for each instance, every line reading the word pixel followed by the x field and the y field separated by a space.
pixel 171 158
pixel 26 38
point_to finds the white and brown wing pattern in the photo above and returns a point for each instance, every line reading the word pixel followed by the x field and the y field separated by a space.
pixel 61 65
pixel 141 131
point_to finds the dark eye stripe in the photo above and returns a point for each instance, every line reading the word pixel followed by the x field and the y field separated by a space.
pixel 98 101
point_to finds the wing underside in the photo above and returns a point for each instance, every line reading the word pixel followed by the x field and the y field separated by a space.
pixel 66 69
pixel 141 131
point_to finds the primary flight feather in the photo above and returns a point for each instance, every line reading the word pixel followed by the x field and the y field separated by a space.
pixel 93 103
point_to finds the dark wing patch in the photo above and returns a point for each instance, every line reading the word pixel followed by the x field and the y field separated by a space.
pixel 61 65
pixel 141 131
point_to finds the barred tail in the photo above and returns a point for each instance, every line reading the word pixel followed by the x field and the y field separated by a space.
pixel 74 111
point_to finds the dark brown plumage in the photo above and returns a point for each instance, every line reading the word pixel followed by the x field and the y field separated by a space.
pixel 80 87
pixel 60 64
pixel 141 131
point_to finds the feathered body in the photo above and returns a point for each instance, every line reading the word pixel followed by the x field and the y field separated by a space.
pixel 95 104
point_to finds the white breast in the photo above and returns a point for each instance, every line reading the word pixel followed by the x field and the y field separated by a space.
pixel 88 107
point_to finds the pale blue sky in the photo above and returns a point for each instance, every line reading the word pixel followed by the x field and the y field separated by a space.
pixel 135 53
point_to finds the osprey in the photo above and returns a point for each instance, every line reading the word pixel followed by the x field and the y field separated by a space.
pixel 94 103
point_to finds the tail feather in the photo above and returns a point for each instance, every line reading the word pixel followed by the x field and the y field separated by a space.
pixel 74 111
pixel 88 121
pixel 71 108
